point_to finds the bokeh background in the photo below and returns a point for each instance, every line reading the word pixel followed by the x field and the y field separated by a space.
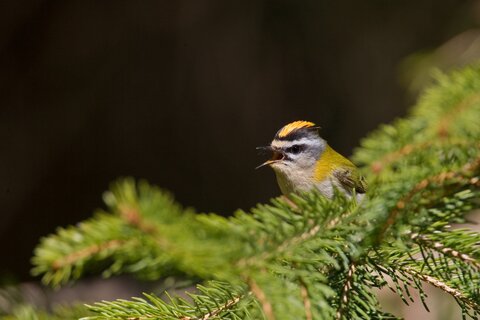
pixel 181 92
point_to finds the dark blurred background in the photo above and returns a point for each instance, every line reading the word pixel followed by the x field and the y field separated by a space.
pixel 181 92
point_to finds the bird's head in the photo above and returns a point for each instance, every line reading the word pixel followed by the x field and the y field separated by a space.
pixel 296 146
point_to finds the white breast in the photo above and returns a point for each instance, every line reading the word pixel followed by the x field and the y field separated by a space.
pixel 300 183
pixel 327 188
pixel 294 181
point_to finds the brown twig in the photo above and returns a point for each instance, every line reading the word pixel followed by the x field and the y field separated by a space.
pixel 289 202
pixel 73 257
pixel 262 298
pixel 441 285
pixel 306 302
pixel 215 312
pixel 346 289
pixel 132 216
pixel 439 247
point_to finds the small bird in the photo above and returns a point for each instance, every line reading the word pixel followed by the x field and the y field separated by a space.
pixel 302 160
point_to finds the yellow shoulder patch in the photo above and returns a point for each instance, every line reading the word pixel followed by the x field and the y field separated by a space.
pixel 329 161
pixel 289 128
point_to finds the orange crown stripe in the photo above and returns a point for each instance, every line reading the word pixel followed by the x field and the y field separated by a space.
pixel 289 128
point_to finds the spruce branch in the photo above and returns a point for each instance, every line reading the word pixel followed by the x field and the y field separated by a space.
pixel 65 255
pixel 305 256
pixel 392 157
pixel 443 128
pixel 458 294
pixel 469 241
pixel 216 300
pixel 462 177
pixel 431 261
pixel 346 290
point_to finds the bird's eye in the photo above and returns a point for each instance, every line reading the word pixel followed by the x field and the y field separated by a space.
pixel 294 149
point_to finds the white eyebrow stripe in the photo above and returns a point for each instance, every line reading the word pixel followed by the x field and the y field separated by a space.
pixel 286 144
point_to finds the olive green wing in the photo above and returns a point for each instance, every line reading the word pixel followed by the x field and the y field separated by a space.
pixel 350 178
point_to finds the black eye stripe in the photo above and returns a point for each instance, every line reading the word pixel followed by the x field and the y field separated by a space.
pixel 295 149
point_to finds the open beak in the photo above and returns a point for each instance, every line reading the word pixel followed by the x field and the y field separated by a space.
pixel 277 156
